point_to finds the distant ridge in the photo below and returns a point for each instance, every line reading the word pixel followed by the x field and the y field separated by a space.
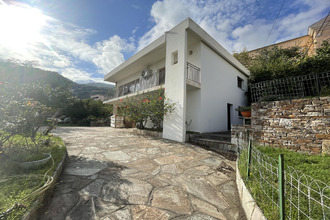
pixel 20 73
pixel 101 85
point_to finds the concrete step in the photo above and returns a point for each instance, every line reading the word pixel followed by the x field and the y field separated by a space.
pixel 220 136
pixel 215 145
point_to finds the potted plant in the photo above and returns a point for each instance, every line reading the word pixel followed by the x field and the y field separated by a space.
pixel 31 161
pixel 245 111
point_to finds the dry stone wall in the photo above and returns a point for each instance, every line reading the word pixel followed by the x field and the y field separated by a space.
pixel 300 124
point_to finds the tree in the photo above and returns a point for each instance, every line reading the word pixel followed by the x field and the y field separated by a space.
pixel 319 62
pixel 20 114
pixel 86 110
pixel 276 62
pixel 244 58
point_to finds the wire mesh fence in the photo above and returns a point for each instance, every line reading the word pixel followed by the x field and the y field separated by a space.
pixel 291 87
pixel 305 197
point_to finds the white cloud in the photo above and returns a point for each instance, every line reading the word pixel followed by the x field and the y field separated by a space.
pixel 62 47
pixel 218 18
pixel 237 24
pixel 77 75
pixel 110 53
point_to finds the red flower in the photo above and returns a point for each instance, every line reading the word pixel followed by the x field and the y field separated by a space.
pixel 148 100
pixel 127 107
pixel 144 100
pixel 120 100
pixel 160 98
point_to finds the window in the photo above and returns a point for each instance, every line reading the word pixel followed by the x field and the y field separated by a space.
pixel 175 57
pixel 130 87
pixel 161 76
pixel 240 82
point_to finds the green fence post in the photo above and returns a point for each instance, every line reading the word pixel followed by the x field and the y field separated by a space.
pixel 249 160
pixel 281 186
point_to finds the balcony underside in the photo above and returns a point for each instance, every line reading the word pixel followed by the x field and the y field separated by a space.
pixel 193 83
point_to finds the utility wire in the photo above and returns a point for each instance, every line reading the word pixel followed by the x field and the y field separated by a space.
pixel 278 14
pixel 316 34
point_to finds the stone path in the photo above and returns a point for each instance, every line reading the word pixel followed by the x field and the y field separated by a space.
pixel 116 174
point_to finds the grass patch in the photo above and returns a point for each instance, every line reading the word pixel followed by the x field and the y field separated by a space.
pixel 316 166
pixel 17 184
pixel 263 181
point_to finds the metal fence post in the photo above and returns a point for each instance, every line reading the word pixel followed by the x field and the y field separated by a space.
pixel 281 186
pixel 249 160
pixel 318 89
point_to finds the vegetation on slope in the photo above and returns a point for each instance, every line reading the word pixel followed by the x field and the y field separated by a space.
pixel 275 62
pixel 15 72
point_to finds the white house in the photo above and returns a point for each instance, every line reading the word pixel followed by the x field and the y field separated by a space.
pixel 203 79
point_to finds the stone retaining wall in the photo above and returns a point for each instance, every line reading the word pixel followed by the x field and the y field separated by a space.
pixel 300 124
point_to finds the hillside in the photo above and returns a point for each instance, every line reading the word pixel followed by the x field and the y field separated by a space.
pixel 101 85
pixel 17 73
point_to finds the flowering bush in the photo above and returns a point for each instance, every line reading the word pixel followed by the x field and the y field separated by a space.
pixel 145 107
pixel 22 115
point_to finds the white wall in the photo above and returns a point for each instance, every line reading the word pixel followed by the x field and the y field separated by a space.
pixel 193 100
pixel 193 111
pixel 219 87
pixel 175 83
pixel 194 58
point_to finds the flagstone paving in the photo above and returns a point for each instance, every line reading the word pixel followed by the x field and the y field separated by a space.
pixel 116 174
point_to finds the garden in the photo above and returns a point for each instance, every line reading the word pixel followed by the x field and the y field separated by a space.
pixel 29 155
pixel 293 185
pixel 306 194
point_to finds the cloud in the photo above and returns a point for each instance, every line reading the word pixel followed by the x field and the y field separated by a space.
pixel 218 18
pixel 62 47
pixel 237 24
pixel 110 53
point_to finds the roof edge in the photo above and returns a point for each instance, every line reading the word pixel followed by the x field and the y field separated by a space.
pixel 153 45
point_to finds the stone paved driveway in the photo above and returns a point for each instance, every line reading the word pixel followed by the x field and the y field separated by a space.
pixel 116 174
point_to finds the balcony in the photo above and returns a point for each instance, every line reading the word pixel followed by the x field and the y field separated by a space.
pixel 193 75
pixel 140 84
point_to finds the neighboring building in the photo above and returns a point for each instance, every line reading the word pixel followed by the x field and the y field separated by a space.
pixel 203 79
pixel 313 40
pixel 98 97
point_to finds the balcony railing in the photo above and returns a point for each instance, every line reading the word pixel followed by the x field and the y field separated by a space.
pixel 193 73
pixel 140 84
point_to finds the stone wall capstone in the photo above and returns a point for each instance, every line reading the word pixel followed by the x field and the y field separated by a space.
pixel 299 124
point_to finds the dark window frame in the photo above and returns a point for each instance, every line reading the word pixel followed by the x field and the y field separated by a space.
pixel 240 82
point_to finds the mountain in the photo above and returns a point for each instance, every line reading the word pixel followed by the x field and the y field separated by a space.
pixel 19 73
pixel 101 85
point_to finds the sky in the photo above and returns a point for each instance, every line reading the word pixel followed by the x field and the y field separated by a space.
pixel 84 40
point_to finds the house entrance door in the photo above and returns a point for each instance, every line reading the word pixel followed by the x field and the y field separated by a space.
pixel 229 109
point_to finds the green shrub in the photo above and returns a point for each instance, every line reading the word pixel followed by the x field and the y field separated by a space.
pixel 325 91
pixel 143 107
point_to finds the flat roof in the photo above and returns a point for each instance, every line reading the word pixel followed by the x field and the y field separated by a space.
pixel 157 47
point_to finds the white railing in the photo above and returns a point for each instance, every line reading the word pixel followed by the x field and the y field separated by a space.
pixel 155 79
pixel 193 73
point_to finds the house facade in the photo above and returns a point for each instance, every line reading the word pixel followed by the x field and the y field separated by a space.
pixel 205 81
pixel 317 33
